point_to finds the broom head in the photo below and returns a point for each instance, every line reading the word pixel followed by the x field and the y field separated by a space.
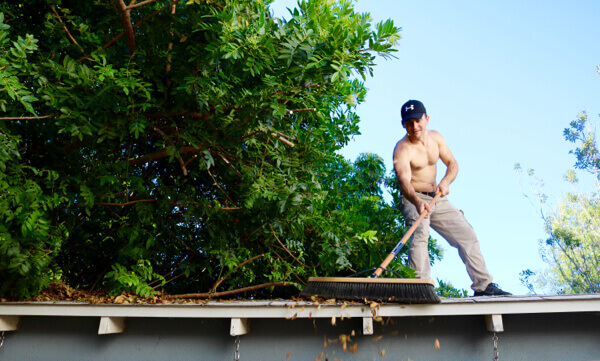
pixel 397 290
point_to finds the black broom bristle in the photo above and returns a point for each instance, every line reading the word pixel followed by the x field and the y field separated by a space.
pixel 408 293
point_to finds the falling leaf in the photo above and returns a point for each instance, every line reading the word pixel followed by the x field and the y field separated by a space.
pixel 382 353
pixel 302 309
pixel 353 348
pixel 437 344
pixel 288 355
pixel 320 356
pixel 353 333
pixel 333 321
pixel 377 338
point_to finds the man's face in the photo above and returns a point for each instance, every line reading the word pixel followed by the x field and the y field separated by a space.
pixel 415 127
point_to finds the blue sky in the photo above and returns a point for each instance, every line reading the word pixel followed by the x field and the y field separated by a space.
pixel 500 80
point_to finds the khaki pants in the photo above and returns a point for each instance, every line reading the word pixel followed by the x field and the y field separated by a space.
pixel 451 224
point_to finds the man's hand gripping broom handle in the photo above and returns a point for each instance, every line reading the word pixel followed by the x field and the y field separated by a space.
pixel 404 239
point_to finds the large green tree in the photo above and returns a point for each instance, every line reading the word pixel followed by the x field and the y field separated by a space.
pixel 186 146
pixel 572 250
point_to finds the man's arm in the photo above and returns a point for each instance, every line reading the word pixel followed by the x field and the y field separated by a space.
pixel 451 166
pixel 403 175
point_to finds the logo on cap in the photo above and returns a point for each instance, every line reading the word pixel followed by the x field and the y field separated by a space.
pixel 412 109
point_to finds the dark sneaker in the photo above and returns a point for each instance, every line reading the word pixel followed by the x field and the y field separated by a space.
pixel 492 290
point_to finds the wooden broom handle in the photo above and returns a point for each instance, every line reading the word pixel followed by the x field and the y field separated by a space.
pixel 404 239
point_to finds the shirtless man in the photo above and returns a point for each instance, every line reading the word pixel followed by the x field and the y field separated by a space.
pixel 415 159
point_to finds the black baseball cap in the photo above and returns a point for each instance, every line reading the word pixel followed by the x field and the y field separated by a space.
pixel 412 109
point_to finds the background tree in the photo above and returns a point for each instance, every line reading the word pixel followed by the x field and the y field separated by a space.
pixel 572 250
pixel 186 146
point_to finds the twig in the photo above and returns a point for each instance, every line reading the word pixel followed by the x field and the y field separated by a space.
pixel 287 250
pixel 169 47
pixel 232 292
pixel 30 118
pixel 133 5
pixel 182 242
pixel 65 28
pixel 126 203
pixel 218 186
pixel 181 163
pixel 212 290
pixel 292 111
pixel 282 138
pixel 158 155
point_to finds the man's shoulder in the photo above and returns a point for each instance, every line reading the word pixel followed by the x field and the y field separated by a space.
pixel 433 133
pixel 402 144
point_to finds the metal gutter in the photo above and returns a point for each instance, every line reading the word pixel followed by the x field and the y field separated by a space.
pixel 300 309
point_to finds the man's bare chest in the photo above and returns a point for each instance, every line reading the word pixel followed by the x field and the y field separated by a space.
pixel 424 156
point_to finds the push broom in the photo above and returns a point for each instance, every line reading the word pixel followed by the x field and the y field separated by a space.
pixel 400 290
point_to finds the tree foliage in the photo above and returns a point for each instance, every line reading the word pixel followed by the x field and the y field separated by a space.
pixel 187 146
pixel 572 250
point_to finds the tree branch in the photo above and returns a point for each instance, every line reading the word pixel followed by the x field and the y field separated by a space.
pixel 212 290
pixel 30 118
pixel 160 154
pixel 133 5
pixel 181 163
pixel 66 30
pixel 114 40
pixel 126 19
pixel 232 292
pixel 285 248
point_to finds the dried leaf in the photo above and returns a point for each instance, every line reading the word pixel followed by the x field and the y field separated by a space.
pixel 320 356
pixel 353 348
pixel 382 353
pixel 294 316
pixel 353 333
pixel 377 338
pixel 437 344
pixel 288 355
pixel 333 321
